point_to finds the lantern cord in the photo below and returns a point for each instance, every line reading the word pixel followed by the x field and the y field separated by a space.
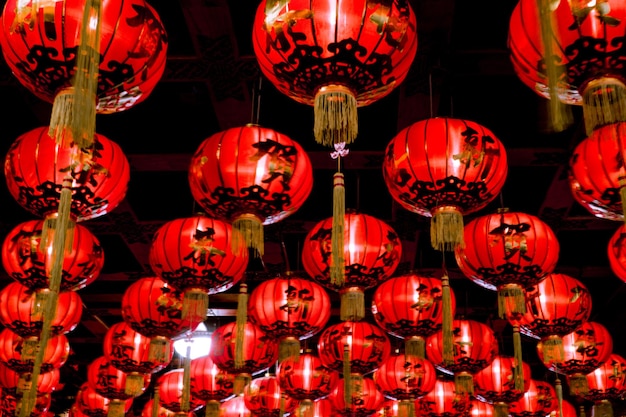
pixel 155 402
pixel 430 94
pixel 337 267
pixel 186 394
pixel 285 256
pixel 240 325
pixel 256 103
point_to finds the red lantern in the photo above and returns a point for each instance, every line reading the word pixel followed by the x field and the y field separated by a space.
pixel 161 412
pixel 445 168
pixel 606 383
pixel 305 378
pixel 92 404
pixel 475 346
pixel 568 65
pixel 19 354
pixel 411 307
pixel 194 255
pixel 29 263
pixel 16 383
pixel 539 401
pixel 320 408
pixel 289 309
pixel 367 346
pixel 502 382
pixel 371 253
pixel 129 351
pixel 616 251
pixel 356 53
pixel 109 381
pixel 568 410
pixel 364 400
pixel 171 388
pixel 11 404
pixel 36 166
pixel 595 169
pixel 250 176
pixel 235 407
pixel 263 397
pixel 41 52
pixel 508 252
pixel 585 349
pixel 210 384
pixel 21 310
pixel 443 401
pixel 481 409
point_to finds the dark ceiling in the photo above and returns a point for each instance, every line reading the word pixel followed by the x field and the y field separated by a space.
pixel 462 69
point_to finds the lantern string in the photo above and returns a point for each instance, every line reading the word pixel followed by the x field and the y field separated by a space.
pixel 430 94
pixel 256 103
pixel 284 253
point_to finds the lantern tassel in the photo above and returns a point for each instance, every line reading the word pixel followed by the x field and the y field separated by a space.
pixel 159 349
pixel 212 408
pixel 560 114
pixel 195 305
pixel 352 304
pixel 155 402
pixel 135 383
pixel 289 347
pixel 186 394
pixel 347 380
pixel 406 408
pixel 464 383
pixel 552 349
pixel 500 409
pixel 337 267
pixel 306 408
pixel 29 347
pixel 49 227
pixel 511 301
pixel 602 408
pixel 558 387
pixel 241 319
pixel 415 346
pixel 75 107
pixel 578 385
pixel 241 380
pixel 250 229
pixel 336 117
pixel 446 322
pixel 581 411
pixel 281 410
pixel 446 229
pixel 517 355
pixel 604 103
pixel 116 408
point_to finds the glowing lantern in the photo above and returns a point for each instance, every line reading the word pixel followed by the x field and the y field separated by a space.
pixel 443 401
pixel 234 407
pixel 17 383
pixel 210 384
pixel 605 384
pixel 363 397
pixel 173 395
pixel 109 381
pixel 539 400
pixel 263 396
pixel 18 354
pixel 616 251
pixel 444 168
pixel 92 404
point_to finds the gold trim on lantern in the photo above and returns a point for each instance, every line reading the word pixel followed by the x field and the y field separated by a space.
pixel 446 228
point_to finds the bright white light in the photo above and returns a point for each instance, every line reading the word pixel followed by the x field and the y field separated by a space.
pixel 199 341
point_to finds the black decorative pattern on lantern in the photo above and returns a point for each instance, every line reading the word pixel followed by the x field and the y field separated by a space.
pixel 412 381
pixel 31 328
pixel 427 407
pixel 222 388
pixel 26 366
pixel 407 328
pixel 586 347
pixel 105 384
pixel 120 357
pixel 226 362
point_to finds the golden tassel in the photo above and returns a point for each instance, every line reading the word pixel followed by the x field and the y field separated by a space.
pixel 464 383
pixel 552 349
pixel 159 349
pixel 289 347
pixel 49 227
pixel 500 409
pixel 249 228
pixel 195 305
pixel 347 380
pixel 519 362
pixel 241 380
pixel 30 347
pixel 446 322
pixel 578 385
pixel 511 300
pixel 156 399
pixel 134 385
pixel 75 107
pixel 604 103
pixel 212 408
pixel 582 412
pixel 602 408
pixel 560 114
pixel 406 408
pixel 306 408
pixel 186 394
pixel 241 320
pixel 559 394
pixel 117 408
pixel 415 346
pixel 446 229
pixel 352 304
pixel 337 267
pixel 336 116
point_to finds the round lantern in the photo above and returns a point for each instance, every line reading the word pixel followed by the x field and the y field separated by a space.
pixel 36 168
pixel 109 381
pixel 616 251
pixel 595 169
pixel 11 404
pixel 570 52
pixel 371 252
pixel 129 351
pixel 259 352
pixel 147 411
pixel 405 378
pixel 153 308
pixel 539 400
pixel 263 397
pixel 355 53
pixel 172 393
pixel 585 349
pixel 444 168
pixel 363 399
pixel 27 261
pixel 479 408
pixel 411 307
pixel 443 401
pixel 92 404
pixel 17 383
pixel 507 252
pixel 18 354
pixel 320 408
pixel 475 346
pixel 250 176
pixel 502 382
pixel 366 345
pixel 606 383
pixel 194 254
pixel 40 40
pixel 289 309
pixel 210 384
pixel 234 407
pixel 556 306
pixel 21 310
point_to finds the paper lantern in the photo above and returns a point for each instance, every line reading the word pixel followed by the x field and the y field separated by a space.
pixel 92 404
pixel 11 404
pixel 335 56
pixel 264 397
pixel 36 167
pixel 289 309
pixel 370 253
pixel 171 389
pixel 250 176
pixel 110 382
pixel 616 251
pixel 539 400
pixel 606 383
pixel 479 408
pixel 305 379
pixel 502 382
pixel 194 255
pixel 444 168
pixel 16 383
pixel 364 399
pixel 210 384
pixel 21 310
pixel 234 407
pixel 147 411
pixel 18 354
pixel 443 401
pixel 475 346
